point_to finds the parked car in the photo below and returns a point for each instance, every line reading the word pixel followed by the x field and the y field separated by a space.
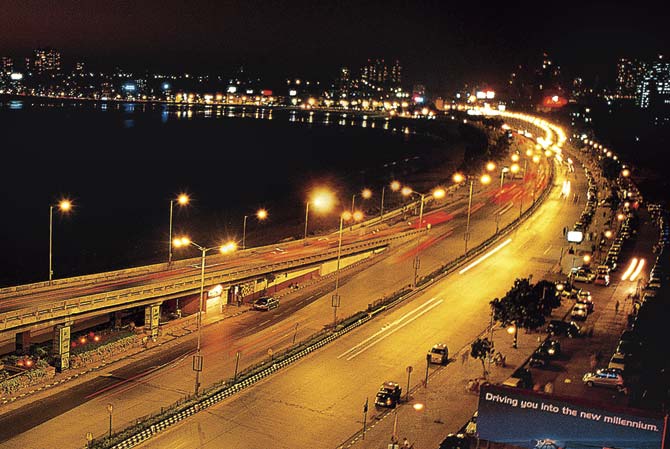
pixel 618 361
pixel 552 347
pixel 521 378
pixel 388 395
pixel 605 377
pixel 571 329
pixel 583 275
pixel 539 358
pixel 579 311
pixel 266 303
pixel 587 301
pixel 439 354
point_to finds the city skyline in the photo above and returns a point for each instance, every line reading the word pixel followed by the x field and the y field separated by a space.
pixel 440 46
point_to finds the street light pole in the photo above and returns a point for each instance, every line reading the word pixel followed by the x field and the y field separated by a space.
pixel 183 200
pixel 197 359
pixel 110 408
pixel 381 208
pixel 64 206
pixel 304 239
pixel 467 222
pixel 335 302
pixel 228 247
pixel 244 232
pixel 51 233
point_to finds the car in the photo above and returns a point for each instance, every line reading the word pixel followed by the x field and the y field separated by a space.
pixel 587 301
pixel 438 354
pixel 455 441
pixel 266 303
pixel 558 327
pixel 388 395
pixel 552 347
pixel 539 358
pixel 618 361
pixel 605 377
pixel 521 378
pixel 583 275
pixel 579 311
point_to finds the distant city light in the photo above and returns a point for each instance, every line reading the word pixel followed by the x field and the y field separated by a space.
pixel 231 89
pixel 166 86
pixel 16 76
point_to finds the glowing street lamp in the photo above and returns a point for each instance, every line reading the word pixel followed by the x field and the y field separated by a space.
pixel 322 200
pixel 366 194
pixel 490 166
pixel 261 214
pixel 515 157
pixel 64 206
pixel 182 200
pixel 625 173
pixel 226 248
pixel 335 301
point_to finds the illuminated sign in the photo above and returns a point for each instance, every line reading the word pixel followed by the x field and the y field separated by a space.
pixel 16 76
pixel 266 92
pixel 490 94
pixel 481 95
pixel 231 89
pixel 575 236
pixel 418 99
pixel 540 421
pixel 292 92
pixel 129 87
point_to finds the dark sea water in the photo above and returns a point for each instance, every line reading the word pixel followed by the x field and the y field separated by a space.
pixel 122 163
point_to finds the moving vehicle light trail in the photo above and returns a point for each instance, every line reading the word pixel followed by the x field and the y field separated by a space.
pixel 637 271
pixel 629 270
pixel 486 256
pixel 427 306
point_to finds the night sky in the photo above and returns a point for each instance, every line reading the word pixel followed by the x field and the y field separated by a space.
pixel 440 43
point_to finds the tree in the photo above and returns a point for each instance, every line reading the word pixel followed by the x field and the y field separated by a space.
pixel 480 349
pixel 526 305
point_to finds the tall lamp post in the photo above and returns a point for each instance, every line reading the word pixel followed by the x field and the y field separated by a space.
pixel 182 200
pixel 224 249
pixel 64 206
pixel 261 214
pixel 458 178
pixel 110 408
pixel 322 200
pixel 345 216
pixel 395 186
pixel 437 193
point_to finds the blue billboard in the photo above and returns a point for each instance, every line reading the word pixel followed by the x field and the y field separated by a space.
pixel 541 421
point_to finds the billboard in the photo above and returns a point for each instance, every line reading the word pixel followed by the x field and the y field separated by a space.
pixel 539 421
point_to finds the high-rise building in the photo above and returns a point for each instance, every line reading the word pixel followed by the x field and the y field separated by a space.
pixel 396 75
pixel 7 65
pixel 654 89
pixel 547 77
pixel 344 83
pixel 629 76
pixel 380 80
pixel 46 61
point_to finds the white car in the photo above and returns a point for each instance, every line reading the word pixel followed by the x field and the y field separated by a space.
pixel 579 311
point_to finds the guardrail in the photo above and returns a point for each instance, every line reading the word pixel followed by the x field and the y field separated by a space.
pixel 154 268
pixel 66 308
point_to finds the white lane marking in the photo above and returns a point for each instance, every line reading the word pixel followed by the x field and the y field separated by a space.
pixel 486 256
pixel 386 327
pixel 395 329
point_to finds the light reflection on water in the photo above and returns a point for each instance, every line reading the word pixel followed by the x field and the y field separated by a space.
pixel 178 112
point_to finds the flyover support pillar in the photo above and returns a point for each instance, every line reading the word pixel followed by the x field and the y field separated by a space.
pixel 152 314
pixel 117 319
pixel 22 342
pixel 61 347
